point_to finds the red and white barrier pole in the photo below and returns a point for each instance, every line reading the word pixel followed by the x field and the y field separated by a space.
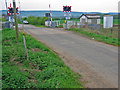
pixel 50 12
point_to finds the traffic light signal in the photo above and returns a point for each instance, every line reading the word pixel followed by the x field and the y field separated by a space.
pixel 11 11
pixel 17 11
pixel 66 8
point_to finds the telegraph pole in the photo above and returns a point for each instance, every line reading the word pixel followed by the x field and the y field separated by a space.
pixel 16 21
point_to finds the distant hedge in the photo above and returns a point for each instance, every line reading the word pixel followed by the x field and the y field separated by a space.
pixel 37 20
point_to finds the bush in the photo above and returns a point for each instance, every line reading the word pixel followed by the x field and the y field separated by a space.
pixel 37 20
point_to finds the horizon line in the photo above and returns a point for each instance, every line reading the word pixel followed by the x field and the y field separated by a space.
pixel 72 11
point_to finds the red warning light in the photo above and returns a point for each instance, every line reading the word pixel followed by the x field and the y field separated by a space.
pixel 67 8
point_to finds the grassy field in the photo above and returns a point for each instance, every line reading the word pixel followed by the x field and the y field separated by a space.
pixel 115 21
pixel 44 69
pixel 108 36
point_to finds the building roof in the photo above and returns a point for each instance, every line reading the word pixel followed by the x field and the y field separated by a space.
pixel 91 16
pixel 107 15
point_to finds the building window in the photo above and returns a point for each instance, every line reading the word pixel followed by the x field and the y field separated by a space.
pixel 83 20
pixel 94 21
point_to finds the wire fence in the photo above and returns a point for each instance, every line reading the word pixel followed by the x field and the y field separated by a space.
pixel 96 28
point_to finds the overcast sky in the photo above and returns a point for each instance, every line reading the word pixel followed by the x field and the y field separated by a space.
pixel 77 5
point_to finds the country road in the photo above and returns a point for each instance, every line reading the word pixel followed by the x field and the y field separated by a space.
pixel 96 61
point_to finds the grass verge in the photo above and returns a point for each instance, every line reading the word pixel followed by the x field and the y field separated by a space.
pixel 44 69
pixel 97 36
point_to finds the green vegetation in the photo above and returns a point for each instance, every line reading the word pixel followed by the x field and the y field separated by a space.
pixel 37 20
pixel 115 21
pixel 61 26
pixel 104 35
pixel 40 25
pixel 44 69
pixel 0 60
pixel 3 19
pixel 62 20
pixel 19 21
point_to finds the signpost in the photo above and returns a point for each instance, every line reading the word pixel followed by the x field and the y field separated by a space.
pixel 67 10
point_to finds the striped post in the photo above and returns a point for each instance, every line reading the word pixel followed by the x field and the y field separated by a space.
pixel 50 12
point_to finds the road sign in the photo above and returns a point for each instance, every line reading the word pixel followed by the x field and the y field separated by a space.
pixel 47 14
pixel 67 14
pixel 17 11
pixel 66 8
pixel 11 11
pixel 68 17
pixel 65 21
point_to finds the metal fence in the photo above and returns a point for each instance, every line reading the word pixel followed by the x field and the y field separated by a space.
pixel 5 24
pixel 77 24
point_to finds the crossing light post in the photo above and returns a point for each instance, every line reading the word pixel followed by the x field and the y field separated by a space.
pixel 67 9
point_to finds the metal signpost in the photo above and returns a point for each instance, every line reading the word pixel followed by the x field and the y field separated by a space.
pixel 67 10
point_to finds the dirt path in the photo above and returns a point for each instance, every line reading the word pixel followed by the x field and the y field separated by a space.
pixel 97 62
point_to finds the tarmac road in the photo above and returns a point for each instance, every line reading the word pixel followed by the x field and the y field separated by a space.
pixel 96 61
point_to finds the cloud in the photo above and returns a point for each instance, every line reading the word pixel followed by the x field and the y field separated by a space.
pixel 77 5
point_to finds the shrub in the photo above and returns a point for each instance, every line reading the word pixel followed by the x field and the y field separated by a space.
pixel 37 20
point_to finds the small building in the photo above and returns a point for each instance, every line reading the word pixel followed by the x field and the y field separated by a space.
pixel 108 21
pixel 90 19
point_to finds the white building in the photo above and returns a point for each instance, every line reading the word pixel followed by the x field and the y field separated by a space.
pixel 108 21
pixel 90 19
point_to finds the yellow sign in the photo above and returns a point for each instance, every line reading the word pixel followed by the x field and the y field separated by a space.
pixel 65 21
pixel 23 33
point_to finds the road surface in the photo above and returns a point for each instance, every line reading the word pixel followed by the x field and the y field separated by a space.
pixel 96 61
